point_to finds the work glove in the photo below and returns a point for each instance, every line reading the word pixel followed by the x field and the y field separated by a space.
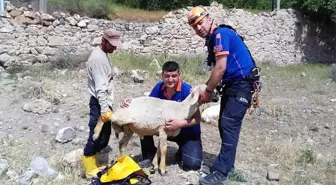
pixel 105 117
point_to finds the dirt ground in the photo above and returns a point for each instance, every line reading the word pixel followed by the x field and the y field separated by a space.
pixel 294 135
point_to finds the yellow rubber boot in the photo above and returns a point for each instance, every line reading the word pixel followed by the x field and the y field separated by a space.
pixel 91 169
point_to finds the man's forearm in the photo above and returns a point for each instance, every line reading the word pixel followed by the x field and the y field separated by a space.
pixel 217 72
pixel 100 76
pixel 214 79
pixel 190 122
pixel 195 119
pixel 102 99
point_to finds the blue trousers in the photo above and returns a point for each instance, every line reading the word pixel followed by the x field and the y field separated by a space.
pixel 190 150
pixel 232 111
pixel 92 147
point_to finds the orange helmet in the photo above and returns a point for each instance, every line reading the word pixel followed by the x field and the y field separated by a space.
pixel 196 14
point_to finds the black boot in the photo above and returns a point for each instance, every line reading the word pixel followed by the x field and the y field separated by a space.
pixel 214 178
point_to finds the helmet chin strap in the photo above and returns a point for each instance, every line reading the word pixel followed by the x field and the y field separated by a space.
pixel 210 27
pixel 208 35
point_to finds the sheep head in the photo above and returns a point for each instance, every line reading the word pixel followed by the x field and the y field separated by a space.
pixel 192 100
pixel 193 97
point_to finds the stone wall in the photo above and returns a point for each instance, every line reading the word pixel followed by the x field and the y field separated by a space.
pixel 282 37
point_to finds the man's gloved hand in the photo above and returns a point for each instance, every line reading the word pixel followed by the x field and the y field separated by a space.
pixel 106 116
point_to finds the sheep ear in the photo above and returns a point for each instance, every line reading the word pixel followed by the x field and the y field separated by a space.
pixel 194 96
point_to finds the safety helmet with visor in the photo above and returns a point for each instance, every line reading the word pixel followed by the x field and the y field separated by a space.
pixel 196 14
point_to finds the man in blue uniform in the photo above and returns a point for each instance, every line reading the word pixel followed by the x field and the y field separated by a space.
pixel 234 68
pixel 189 139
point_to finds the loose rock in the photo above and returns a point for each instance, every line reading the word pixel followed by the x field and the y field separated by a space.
pixel 66 134
pixel 38 106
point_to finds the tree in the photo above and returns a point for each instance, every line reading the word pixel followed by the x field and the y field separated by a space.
pixel 318 9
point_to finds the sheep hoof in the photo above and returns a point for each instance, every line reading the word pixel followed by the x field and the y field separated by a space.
pixel 163 172
pixel 156 169
pixel 155 166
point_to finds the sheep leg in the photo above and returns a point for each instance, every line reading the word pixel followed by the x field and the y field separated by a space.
pixel 156 157
pixel 125 139
pixel 163 150
pixel 117 129
pixel 98 129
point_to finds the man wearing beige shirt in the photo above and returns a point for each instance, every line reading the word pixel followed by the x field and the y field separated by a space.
pixel 100 87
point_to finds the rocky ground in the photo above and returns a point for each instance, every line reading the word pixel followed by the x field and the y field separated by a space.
pixel 293 139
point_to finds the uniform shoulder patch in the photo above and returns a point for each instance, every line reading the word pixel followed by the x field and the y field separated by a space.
pixel 218 48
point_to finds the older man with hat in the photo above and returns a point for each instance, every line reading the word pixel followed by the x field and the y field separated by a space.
pixel 101 90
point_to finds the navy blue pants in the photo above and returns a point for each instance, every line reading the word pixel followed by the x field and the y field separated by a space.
pixel 92 147
pixel 190 150
pixel 232 111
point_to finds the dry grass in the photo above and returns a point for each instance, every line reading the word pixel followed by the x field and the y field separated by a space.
pixel 286 88
pixel 132 14
pixel 281 135
pixel 104 9
pixel 299 164
pixel 19 153
pixel 49 83
pixel 127 61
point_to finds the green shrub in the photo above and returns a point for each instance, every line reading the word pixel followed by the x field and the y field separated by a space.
pixel 256 4
pixel 173 4
pixel 316 9
pixel 306 156
pixel 161 4
pixel 92 8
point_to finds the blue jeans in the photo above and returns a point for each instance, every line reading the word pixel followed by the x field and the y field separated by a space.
pixel 92 147
pixel 190 148
pixel 232 111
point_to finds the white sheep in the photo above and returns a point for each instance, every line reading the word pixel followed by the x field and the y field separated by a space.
pixel 147 116
pixel 210 115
